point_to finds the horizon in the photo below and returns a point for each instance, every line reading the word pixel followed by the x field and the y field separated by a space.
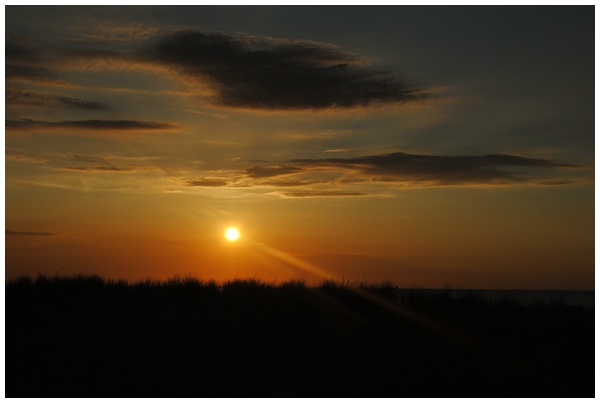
pixel 425 146
pixel 208 282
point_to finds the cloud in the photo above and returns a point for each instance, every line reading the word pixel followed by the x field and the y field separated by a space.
pixel 21 156
pixel 235 182
pixel 34 233
pixel 247 73
pixel 212 183
pixel 18 96
pixel 353 180
pixel 323 193
pixel 99 168
pixel 84 158
pixel 127 125
pixel 259 172
pixel 573 181
pixel 24 62
pixel 291 183
pixel 416 169
pixel 435 169
pixel 39 60
pixel 20 50
pixel 394 169
pixel 36 74
pixel 235 71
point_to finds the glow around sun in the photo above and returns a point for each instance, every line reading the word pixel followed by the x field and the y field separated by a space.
pixel 232 234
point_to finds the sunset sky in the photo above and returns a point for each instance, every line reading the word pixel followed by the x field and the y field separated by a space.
pixel 429 146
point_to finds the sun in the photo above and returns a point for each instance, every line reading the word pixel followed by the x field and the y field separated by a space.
pixel 232 234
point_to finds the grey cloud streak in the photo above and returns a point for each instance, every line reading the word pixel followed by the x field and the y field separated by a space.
pixel 36 74
pixel 324 193
pixel 395 168
pixel 99 168
pixel 32 233
pixel 21 156
pixel 259 172
pixel 418 169
pixel 208 183
pixel 235 183
pixel 85 158
pixel 24 62
pixel 24 124
pixel 19 96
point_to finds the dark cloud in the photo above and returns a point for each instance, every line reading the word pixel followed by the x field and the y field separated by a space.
pixel 415 168
pixel 292 183
pixel 35 233
pixel 24 124
pixel 84 158
pixel 18 96
pixel 573 181
pixel 443 170
pixel 38 60
pixel 259 172
pixel 20 50
pixel 99 168
pixel 256 183
pixel 323 193
pixel 240 71
pixel 208 183
pixel 22 72
pixel 277 74
pixel 352 180
pixel 24 62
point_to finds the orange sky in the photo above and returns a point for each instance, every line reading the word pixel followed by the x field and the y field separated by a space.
pixel 367 149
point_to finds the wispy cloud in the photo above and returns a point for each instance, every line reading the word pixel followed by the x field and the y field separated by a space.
pixel 570 181
pixel 241 182
pixel 337 150
pixel 109 168
pixel 124 125
pixel 33 233
pixel 85 158
pixel 36 74
pixel 211 183
pixel 436 169
pixel 291 183
pixel 323 193
pixel 24 62
pixel 19 96
pixel 415 169
pixel 99 168
pixel 21 156
pixel 259 172
pixel 329 177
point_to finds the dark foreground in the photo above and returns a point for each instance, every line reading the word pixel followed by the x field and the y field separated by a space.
pixel 85 337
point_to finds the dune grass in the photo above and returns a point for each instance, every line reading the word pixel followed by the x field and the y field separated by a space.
pixel 84 336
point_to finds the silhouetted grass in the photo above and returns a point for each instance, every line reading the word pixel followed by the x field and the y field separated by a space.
pixel 83 336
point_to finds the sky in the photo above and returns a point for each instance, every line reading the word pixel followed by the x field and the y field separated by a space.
pixel 429 146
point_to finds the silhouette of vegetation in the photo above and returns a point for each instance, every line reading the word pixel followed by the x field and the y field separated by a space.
pixel 83 336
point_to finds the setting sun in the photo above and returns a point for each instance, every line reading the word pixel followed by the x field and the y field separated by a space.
pixel 232 234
